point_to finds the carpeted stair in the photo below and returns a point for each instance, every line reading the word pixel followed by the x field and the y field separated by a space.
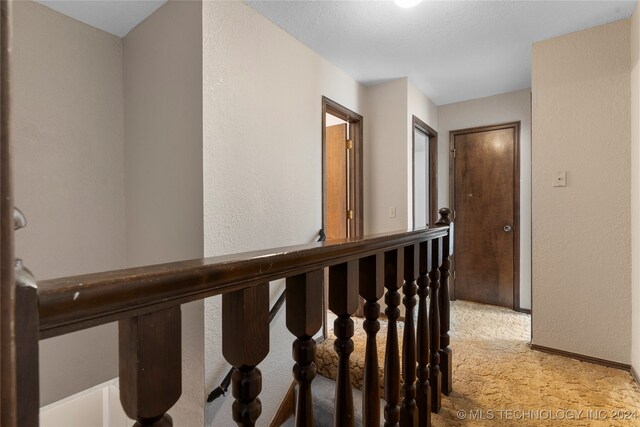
pixel 323 390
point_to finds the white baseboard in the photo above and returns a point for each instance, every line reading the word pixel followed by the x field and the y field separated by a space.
pixel 98 406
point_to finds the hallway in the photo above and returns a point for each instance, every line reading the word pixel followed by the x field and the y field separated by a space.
pixel 495 370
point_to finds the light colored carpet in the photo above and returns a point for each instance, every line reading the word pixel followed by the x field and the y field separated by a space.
pixel 495 370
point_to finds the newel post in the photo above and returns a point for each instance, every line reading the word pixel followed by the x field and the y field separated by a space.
pixel 26 347
pixel 446 354
pixel 19 394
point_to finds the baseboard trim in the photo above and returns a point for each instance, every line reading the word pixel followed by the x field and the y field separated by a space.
pixel 286 408
pixel 582 357
pixel 635 376
pixel 524 310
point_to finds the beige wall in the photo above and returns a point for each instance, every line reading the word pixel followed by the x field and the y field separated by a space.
pixel 426 110
pixel 389 108
pixel 68 124
pixel 581 233
pixel 78 91
pixel 635 190
pixel 385 157
pixel 163 165
pixel 262 157
pixel 507 107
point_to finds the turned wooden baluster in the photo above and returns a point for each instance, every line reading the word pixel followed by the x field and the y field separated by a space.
pixel 423 389
pixel 150 366
pixel 371 289
pixel 304 319
pixel 343 301
pixel 408 409
pixel 446 354
pixel 434 321
pixel 393 278
pixel 245 343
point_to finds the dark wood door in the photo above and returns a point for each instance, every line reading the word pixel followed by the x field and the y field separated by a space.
pixel 486 204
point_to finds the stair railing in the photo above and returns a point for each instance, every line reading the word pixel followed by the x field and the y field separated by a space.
pixel 222 389
pixel 146 302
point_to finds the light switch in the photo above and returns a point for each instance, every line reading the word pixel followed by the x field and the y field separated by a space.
pixel 392 212
pixel 560 179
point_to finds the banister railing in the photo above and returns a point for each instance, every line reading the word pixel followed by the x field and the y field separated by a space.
pixel 221 390
pixel 146 302
pixel 78 302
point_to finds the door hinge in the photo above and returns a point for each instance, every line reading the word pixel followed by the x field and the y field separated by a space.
pixel 349 144
pixel 349 214
pixel 454 275
pixel 453 153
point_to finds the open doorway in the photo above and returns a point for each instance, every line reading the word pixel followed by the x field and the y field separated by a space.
pixel 425 173
pixel 342 195
pixel 342 199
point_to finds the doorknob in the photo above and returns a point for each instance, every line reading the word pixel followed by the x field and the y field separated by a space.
pixel 507 228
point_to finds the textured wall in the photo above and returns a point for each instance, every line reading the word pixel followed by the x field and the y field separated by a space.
pixel 635 190
pixel 163 165
pixel 507 107
pixel 385 156
pixel 423 108
pixel 262 162
pixel 581 233
pixel 68 124
pixel 387 176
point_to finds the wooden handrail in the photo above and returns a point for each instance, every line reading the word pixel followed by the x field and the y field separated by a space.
pixel 226 382
pixel 146 302
pixel 78 302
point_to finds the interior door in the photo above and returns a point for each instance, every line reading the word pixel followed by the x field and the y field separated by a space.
pixel 484 169
pixel 337 185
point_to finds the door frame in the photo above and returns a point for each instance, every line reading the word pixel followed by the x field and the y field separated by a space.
pixel 356 126
pixel 433 168
pixel 356 196
pixel 516 200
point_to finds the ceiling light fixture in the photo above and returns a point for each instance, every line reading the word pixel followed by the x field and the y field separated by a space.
pixel 407 3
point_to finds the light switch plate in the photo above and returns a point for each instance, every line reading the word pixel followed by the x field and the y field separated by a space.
pixel 392 212
pixel 560 179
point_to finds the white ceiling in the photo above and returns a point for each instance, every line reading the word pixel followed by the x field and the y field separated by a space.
pixel 113 16
pixel 452 50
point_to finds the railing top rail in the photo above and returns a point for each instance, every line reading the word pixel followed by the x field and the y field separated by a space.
pixel 78 302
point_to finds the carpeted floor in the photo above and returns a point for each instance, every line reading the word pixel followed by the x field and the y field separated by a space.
pixel 499 380
pixel 494 369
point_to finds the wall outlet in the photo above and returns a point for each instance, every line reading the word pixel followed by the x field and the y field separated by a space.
pixel 392 212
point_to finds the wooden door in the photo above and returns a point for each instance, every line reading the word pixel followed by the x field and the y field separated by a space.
pixel 342 205
pixel 336 176
pixel 486 203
